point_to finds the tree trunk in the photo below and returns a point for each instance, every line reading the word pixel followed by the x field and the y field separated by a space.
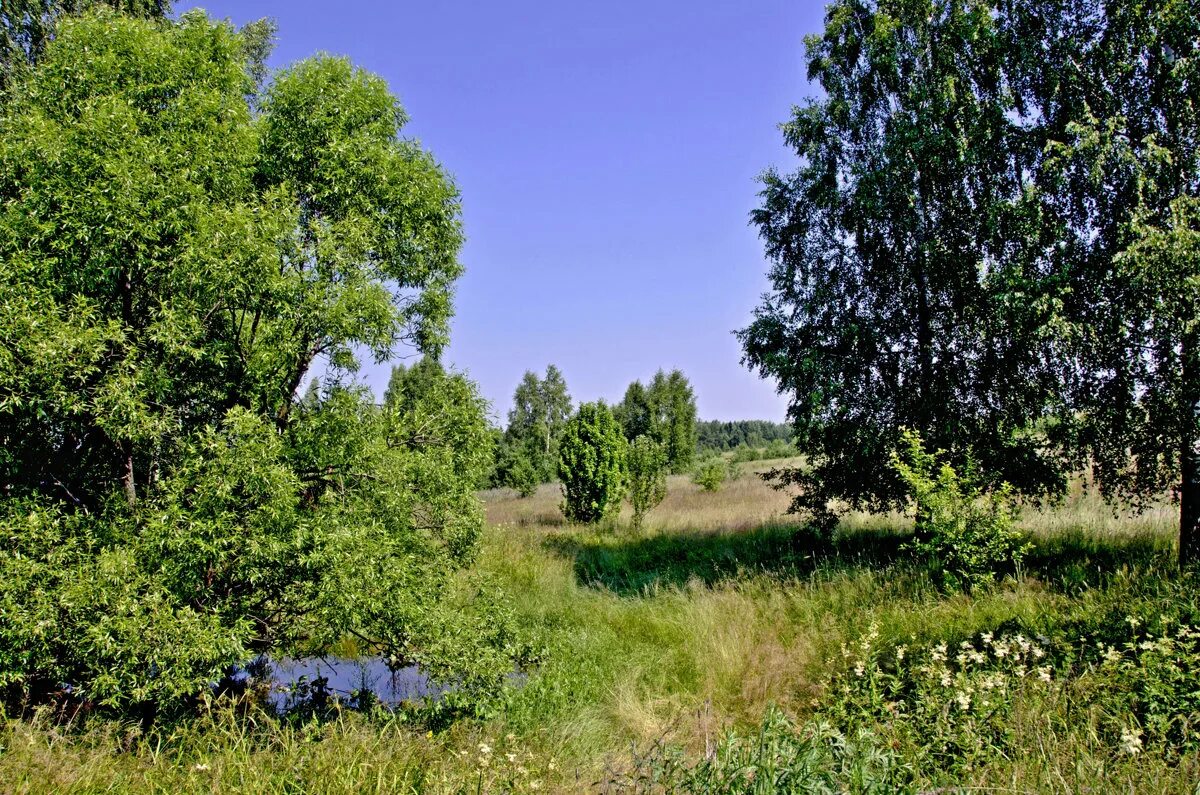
pixel 128 479
pixel 1189 458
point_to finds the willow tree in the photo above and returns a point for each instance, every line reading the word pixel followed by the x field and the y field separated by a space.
pixel 905 288
pixel 176 253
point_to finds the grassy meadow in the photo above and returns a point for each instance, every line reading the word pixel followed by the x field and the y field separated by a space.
pixel 729 649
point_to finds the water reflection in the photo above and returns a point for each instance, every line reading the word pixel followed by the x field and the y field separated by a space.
pixel 354 682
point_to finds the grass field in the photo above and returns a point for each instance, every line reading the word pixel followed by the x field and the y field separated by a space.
pixel 724 616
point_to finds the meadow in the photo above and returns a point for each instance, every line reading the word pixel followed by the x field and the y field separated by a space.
pixel 728 648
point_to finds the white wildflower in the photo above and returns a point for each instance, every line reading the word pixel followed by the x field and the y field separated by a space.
pixel 1131 742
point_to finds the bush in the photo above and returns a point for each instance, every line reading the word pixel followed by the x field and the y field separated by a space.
pixel 710 474
pixel 969 535
pixel 591 464
pixel 647 477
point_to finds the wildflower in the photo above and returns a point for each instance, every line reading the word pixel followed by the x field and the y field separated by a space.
pixel 1133 622
pixel 485 749
pixel 1112 655
pixel 1147 645
pixel 987 637
pixel 535 784
pixel 1131 742
pixel 511 757
pixel 1038 653
pixel 939 652
pixel 859 668
pixel 552 765
pixel 900 650
pixel 964 701
pixel 945 678
pixel 1044 673
pixel 201 767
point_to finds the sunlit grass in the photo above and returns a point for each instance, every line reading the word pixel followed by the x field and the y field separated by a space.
pixel 722 607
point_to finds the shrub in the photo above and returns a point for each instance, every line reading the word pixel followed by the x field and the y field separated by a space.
pixel 710 474
pixel 966 533
pixel 591 464
pixel 647 477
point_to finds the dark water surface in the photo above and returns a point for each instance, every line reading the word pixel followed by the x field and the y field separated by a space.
pixel 346 678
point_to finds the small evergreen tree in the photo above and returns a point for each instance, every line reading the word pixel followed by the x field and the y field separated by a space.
pixel 647 465
pixel 591 464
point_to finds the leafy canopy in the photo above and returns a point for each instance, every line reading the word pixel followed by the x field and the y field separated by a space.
pixel 177 250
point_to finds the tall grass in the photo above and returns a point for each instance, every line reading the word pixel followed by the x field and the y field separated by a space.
pixel 722 611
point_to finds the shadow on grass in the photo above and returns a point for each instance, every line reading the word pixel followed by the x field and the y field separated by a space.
pixel 1074 560
pixel 628 565
pixel 1069 561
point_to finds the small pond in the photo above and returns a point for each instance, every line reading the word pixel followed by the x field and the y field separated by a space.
pixel 294 681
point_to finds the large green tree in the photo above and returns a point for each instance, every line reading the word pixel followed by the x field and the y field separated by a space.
pixel 666 412
pixel 541 408
pixel 907 283
pixel 177 251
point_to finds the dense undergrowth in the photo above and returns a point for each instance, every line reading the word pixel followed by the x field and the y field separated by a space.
pixel 712 655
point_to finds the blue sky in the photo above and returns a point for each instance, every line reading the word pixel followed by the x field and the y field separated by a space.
pixel 607 155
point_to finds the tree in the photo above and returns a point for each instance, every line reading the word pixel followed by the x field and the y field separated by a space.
pixel 176 251
pixel 26 26
pixel 909 286
pixel 1118 98
pixel 408 385
pixel 540 411
pixel 634 412
pixel 664 411
pixel 591 464
pixel 647 476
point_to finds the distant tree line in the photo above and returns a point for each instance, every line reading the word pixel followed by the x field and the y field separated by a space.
pixel 720 436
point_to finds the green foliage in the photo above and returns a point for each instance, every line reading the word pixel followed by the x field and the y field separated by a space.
pixel 647 465
pixel 966 534
pixel 779 757
pixel 897 302
pixel 177 251
pixel 27 26
pixel 541 408
pixel 718 436
pixel 592 464
pixel 774 450
pixel 666 412
pixel 710 474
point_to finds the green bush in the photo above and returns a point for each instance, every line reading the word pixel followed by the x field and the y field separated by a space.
pixel 591 464
pixel 710 474
pixel 968 535
pixel 647 477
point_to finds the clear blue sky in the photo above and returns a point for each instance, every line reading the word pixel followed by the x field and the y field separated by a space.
pixel 607 155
